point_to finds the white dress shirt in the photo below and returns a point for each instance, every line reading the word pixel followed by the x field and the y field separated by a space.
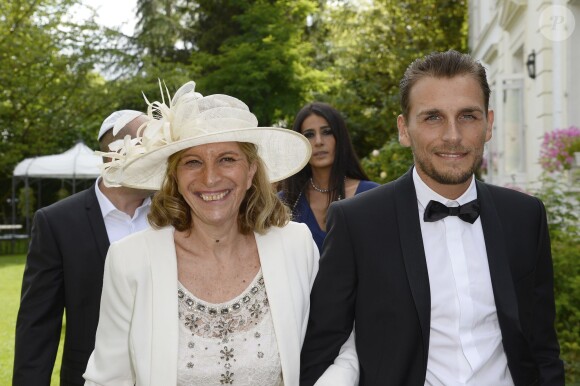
pixel 118 223
pixel 465 344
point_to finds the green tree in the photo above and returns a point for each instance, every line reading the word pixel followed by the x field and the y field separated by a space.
pixel 268 64
pixel 161 29
pixel 51 95
pixel 371 46
pixel 255 50
pixel 563 223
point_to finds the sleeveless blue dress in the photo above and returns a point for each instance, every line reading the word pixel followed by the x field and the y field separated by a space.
pixel 303 213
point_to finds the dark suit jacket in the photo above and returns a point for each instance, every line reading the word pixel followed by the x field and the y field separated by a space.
pixel 373 269
pixel 64 270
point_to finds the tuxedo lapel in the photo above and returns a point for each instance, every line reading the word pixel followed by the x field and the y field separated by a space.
pixel 413 252
pixel 283 314
pixel 96 222
pixel 164 307
pixel 498 260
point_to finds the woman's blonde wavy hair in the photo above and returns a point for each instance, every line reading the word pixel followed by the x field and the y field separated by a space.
pixel 260 209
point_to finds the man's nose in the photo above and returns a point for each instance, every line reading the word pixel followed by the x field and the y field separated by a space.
pixel 452 132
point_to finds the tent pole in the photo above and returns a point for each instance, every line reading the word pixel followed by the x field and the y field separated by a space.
pixel 27 205
pixel 39 199
pixel 13 201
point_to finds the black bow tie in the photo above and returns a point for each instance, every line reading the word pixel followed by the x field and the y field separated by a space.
pixel 436 211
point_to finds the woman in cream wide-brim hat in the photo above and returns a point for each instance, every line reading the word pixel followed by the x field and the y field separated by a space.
pixel 217 291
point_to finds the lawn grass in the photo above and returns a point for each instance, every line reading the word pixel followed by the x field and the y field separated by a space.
pixel 11 269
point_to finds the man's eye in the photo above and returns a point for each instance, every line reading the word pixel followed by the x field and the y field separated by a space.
pixel 468 117
pixel 432 117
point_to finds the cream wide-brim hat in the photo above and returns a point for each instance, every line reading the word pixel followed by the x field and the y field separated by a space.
pixel 193 120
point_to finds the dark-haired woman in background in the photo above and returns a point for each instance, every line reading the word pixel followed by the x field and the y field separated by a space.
pixel 333 172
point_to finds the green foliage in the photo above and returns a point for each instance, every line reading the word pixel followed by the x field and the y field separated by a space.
pixel 372 45
pixel 11 270
pixel 565 254
pixel 61 194
pixel 267 63
pixel 563 222
pixel 389 162
pixel 255 50
pixel 51 96
pixel 26 202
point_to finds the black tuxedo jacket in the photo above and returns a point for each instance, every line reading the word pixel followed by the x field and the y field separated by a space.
pixel 373 270
pixel 64 270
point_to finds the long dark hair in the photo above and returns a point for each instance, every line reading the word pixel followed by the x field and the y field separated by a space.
pixel 346 162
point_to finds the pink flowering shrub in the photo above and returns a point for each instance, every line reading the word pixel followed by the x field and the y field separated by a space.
pixel 556 152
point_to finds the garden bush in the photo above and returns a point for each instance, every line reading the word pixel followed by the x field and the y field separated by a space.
pixel 563 222
pixel 389 162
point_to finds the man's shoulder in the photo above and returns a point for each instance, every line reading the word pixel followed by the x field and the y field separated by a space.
pixel 74 201
pixel 510 202
pixel 374 194
pixel 507 194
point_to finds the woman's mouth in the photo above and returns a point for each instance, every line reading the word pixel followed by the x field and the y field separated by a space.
pixel 213 196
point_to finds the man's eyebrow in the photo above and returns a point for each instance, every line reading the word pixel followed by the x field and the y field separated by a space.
pixel 471 109
pixel 429 112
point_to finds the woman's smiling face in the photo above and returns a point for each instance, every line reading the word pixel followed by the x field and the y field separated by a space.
pixel 213 179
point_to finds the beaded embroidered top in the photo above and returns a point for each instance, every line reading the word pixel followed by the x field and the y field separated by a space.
pixel 231 343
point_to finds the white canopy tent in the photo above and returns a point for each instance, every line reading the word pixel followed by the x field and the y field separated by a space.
pixel 78 162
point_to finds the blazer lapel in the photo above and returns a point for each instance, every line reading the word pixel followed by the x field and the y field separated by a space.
pixel 498 260
pixel 413 252
pixel 164 308
pixel 283 315
pixel 96 221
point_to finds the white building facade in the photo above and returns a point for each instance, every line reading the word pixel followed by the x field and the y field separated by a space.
pixel 531 50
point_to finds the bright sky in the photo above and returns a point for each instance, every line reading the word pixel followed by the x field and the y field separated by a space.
pixel 115 13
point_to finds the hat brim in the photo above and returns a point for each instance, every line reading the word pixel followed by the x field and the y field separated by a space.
pixel 283 151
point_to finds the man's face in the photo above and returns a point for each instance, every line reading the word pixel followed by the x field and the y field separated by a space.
pixel 446 129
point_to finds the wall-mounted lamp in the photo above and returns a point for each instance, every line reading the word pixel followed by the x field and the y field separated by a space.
pixel 531 64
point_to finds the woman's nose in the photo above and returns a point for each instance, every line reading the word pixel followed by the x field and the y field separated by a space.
pixel 318 139
pixel 210 175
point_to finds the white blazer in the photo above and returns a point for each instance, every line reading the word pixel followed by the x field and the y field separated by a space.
pixel 137 335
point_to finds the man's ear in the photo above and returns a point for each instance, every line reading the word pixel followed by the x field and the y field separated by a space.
pixel 403 132
pixel 489 128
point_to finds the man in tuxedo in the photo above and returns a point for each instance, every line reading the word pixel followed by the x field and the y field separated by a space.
pixel 64 270
pixel 449 279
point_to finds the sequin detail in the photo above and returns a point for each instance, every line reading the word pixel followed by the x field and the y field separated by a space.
pixel 232 343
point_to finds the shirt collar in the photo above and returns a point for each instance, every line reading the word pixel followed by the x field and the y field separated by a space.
pixel 106 204
pixel 426 194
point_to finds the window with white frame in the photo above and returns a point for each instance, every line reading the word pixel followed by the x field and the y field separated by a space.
pixel 513 125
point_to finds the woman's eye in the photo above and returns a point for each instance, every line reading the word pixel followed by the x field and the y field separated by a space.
pixel 191 163
pixel 309 134
pixel 327 132
pixel 228 159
